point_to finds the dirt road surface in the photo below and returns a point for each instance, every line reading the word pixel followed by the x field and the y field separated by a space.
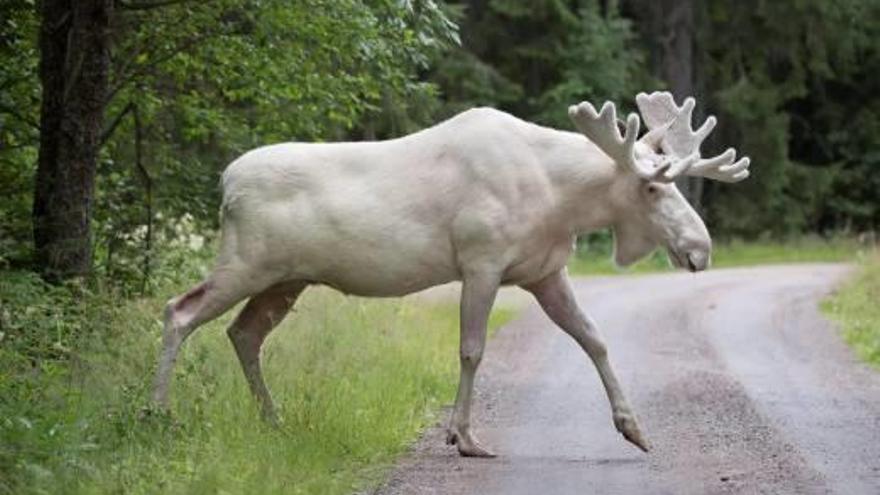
pixel 738 382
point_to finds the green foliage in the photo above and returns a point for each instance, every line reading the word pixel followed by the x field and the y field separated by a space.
pixel 211 80
pixel 19 107
pixel 537 58
pixel 208 81
pixel 594 41
pixel 180 251
pixel 356 381
pixel 799 98
pixel 751 106
pixel 855 308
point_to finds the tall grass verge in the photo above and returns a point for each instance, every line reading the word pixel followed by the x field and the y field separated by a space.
pixel 855 307
pixel 356 381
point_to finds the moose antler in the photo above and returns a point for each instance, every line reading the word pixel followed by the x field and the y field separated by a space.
pixel 601 128
pixel 671 125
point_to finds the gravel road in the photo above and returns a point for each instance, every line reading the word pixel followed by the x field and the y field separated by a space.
pixel 739 383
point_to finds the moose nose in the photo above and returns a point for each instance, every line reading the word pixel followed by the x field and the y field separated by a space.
pixel 697 260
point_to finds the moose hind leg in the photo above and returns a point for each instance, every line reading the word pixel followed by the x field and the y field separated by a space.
pixel 183 315
pixel 260 315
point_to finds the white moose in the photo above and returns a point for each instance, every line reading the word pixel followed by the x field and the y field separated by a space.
pixel 483 198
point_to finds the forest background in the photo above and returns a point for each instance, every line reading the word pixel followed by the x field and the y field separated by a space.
pixel 132 142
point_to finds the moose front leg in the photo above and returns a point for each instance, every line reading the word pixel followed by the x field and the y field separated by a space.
pixel 477 296
pixel 556 297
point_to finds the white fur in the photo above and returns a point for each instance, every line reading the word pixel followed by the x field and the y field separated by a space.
pixel 483 191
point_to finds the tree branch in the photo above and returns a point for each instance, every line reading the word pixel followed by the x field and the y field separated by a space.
pixel 148 195
pixel 108 132
pixel 124 79
pixel 128 5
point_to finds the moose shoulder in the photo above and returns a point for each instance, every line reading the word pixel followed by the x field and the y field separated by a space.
pixel 484 198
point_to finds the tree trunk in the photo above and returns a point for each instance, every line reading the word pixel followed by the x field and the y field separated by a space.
pixel 676 64
pixel 675 28
pixel 669 28
pixel 74 64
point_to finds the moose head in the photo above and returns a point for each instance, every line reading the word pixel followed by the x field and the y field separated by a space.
pixel 656 211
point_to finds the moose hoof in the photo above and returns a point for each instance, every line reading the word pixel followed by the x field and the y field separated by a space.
pixel 271 419
pixel 468 445
pixel 626 424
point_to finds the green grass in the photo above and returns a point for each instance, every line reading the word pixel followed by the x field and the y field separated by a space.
pixel 729 254
pixel 356 381
pixel 856 307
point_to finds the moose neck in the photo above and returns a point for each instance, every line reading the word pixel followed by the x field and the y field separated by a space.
pixel 584 180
